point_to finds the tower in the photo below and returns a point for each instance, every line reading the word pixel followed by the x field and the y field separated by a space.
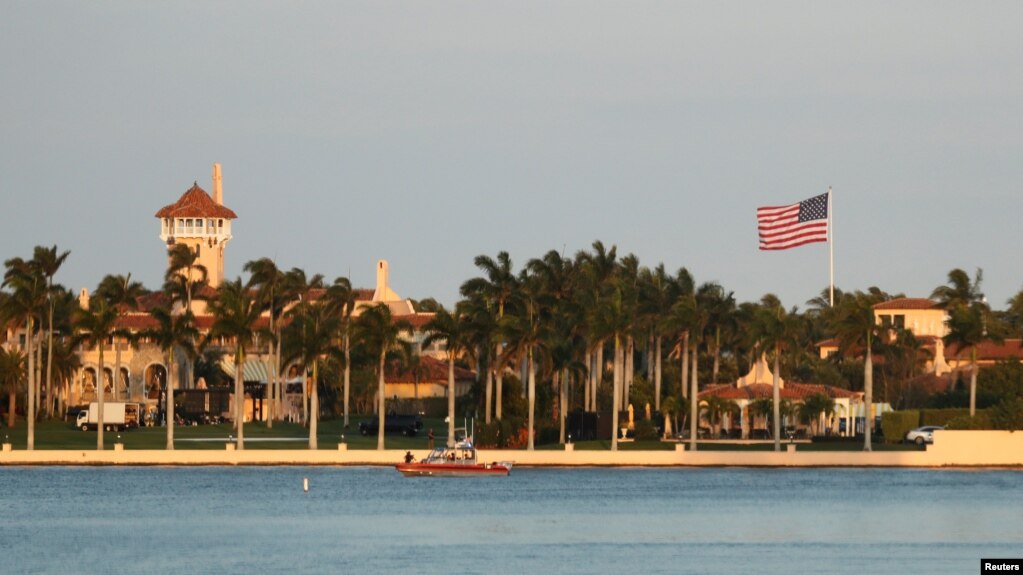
pixel 202 223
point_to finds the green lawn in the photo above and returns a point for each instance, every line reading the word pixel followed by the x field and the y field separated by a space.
pixel 61 435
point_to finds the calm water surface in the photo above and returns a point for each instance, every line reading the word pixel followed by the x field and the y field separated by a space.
pixel 371 520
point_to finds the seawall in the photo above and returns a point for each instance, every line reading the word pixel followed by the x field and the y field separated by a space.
pixel 950 449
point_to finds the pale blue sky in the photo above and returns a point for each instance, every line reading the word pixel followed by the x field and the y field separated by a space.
pixel 426 133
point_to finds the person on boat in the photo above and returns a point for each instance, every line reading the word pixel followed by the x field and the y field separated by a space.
pixel 408 457
pixel 429 439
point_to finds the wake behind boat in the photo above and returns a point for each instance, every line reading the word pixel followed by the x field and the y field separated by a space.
pixel 457 461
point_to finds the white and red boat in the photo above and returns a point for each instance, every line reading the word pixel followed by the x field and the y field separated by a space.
pixel 457 461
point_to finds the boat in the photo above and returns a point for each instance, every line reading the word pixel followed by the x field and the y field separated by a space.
pixel 457 461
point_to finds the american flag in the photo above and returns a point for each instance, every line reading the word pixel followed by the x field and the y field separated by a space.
pixel 784 227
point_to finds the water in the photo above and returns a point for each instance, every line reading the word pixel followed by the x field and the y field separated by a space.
pixel 371 520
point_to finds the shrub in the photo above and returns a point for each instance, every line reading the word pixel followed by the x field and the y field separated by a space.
pixel 1008 414
pixel 942 416
pixel 547 435
pixel 895 424
pixel 980 421
pixel 646 430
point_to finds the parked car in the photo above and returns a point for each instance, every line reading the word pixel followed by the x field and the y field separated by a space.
pixel 922 435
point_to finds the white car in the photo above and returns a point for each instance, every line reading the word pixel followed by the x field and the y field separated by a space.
pixel 922 435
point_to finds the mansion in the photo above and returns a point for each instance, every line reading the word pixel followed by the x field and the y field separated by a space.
pixel 204 223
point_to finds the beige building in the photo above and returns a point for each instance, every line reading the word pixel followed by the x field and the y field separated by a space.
pixel 926 320
pixel 203 223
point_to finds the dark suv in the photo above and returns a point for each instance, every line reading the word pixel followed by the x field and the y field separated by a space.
pixel 407 425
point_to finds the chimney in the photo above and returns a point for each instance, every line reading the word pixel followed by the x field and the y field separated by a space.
pixel 382 280
pixel 218 191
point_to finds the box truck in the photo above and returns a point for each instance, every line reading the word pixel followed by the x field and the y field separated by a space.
pixel 117 415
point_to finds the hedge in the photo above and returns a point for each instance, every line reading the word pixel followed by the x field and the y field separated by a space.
pixel 895 424
pixel 981 420
pixel 942 416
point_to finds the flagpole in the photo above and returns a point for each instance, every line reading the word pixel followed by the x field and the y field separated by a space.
pixel 831 248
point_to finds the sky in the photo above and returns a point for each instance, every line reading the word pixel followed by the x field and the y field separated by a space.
pixel 427 133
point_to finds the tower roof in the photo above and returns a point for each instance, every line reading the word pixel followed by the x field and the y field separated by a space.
pixel 196 203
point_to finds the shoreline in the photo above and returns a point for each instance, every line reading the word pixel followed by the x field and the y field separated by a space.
pixel 951 449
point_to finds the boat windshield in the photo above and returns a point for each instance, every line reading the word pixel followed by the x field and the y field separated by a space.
pixel 457 454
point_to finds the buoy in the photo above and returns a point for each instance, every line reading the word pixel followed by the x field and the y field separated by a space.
pixel 305 484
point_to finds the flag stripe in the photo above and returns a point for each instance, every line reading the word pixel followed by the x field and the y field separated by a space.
pixel 783 227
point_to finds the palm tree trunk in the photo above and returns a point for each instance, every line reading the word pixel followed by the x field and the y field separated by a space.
pixel 629 367
pixel 30 412
pixel 12 405
pixel 531 398
pixel 348 376
pixel 499 386
pixel 314 411
pixel 49 364
pixel 717 355
pixel 451 398
pixel 117 369
pixel 488 394
pixel 99 398
pixel 973 381
pixel 657 372
pixel 239 397
pixel 282 386
pixel 172 365
pixel 615 393
pixel 271 385
pixel 561 380
pixel 598 373
pixel 685 365
pixel 868 397
pixel 380 402
pixel 694 401
pixel 588 361
pixel 776 398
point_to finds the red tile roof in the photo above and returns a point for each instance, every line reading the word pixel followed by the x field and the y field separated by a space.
pixel 791 391
pixel 196 203
pixel 908 303
pixel 436 372
pixel 988 350
pixel 418 320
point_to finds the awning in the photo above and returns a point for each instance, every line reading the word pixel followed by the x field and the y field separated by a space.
pixel 255 371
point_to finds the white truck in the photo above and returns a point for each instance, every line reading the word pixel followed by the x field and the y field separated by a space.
pixel 117 415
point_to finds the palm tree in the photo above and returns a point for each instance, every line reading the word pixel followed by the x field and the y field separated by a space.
pixel 185 272
pixel 496 289
pixel 378 331
pixel 856 327
pixel 967 328
pixel 812 408
pixel 453 330
pixel 234 316
pixel 960 290
pixel 775 328
pixel 612 321
pixel 762 408
pixel 96 326
pixel 310 337
pixel 22 307
pixel 12 371
pixel 295 286
pixel 341 300
pixel 123 295
pixel 264 275
pixel 184 279
pixel 173 331
pixel 47 262
pixel 716 408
